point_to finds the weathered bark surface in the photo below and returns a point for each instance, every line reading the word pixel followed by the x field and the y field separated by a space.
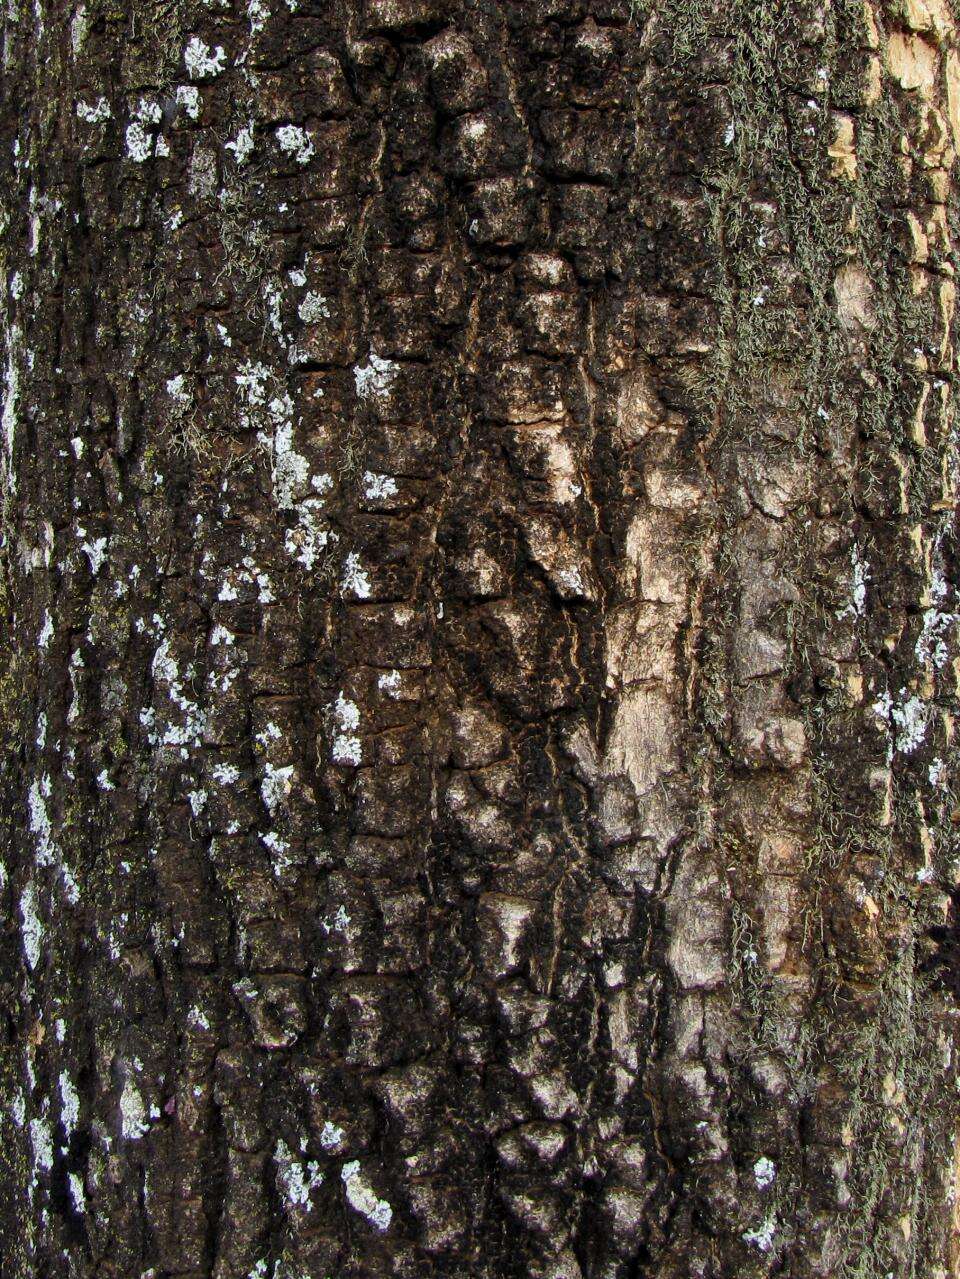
pixel 478 670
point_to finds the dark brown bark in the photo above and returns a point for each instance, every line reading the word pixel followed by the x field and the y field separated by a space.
pixel 478 675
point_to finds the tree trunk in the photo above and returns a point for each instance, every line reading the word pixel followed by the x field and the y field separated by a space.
pixel 478 677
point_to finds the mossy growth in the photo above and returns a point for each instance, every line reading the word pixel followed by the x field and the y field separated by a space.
pixel 783 223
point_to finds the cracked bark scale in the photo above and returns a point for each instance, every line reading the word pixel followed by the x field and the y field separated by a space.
pixel 478 668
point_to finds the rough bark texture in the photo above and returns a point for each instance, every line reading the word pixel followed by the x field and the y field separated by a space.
pixel 478 671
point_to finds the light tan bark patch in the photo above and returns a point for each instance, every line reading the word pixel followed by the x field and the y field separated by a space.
pixel 913 62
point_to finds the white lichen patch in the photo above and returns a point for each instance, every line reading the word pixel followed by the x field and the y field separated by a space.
pixel 297 1179
pixel 11 401
pixel 46 632
pixel 764 1171
pixel 197 1019
pixel 276 785
pixel 273 297
pixel 95 114
pixel 309 538
pixel 71 889
pixel 39 818
pixel 188 97
pixel 362 1199
pixel 265 593
pixel 389 683
pixel 140 142
pixel 571 579
pixel 346 712
pixel 933 642
pixel 187 730
pixel 274 422
pixel 225 774
pixel 41 1140
pixel 278 848
pixel 347 748
pixel 69 1103
pixel 133 1112
pixel 474 129
pixel 882 706
pixel 257 13
pixel 242 144
pixel 31 929
pixel 179 391
pixel 201 61
pixel 295 141
pixel 313 308
pixel 378 487
pixel 376 377
pixel 338 924
pixel 95 551
pixel 290 468
pixel 331 1137
pixel 46 550
pixel 355 580
pixel 252 380
pixel 77 1192
pixel 36 207
pixel 148 112
pixel 910 719
pixel 197 800
pixel 76 664
pixel 79 26
pixel 762 1236
pixel 859 577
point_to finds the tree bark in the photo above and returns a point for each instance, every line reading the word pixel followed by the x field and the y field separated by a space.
pixel 479 677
